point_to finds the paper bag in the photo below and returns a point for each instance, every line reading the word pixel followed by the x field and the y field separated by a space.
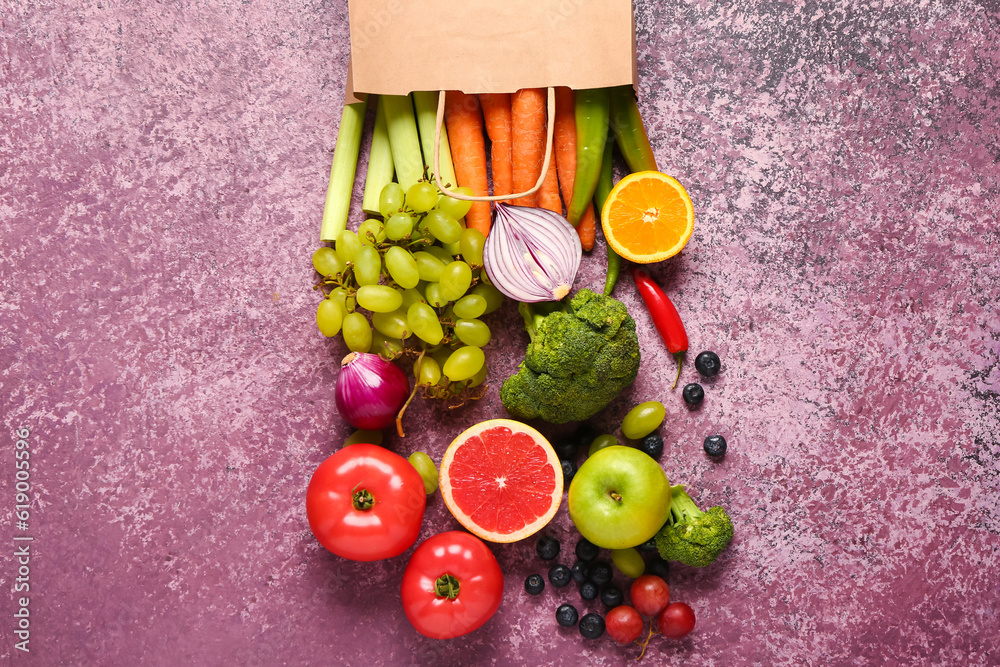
pixel 489 46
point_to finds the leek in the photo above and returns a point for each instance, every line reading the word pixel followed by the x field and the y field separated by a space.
pixel 345 164
pixel 403 139
pixel 426 103
pixel 380 168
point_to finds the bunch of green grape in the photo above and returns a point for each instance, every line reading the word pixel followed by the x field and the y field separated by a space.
pixel 412 286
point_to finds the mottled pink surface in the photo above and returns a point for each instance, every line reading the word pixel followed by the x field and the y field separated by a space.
pixel 162 173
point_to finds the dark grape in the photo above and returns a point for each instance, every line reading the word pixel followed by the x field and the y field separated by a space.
pixel 612 596
pixel 693 394
pixel 547 547
pixel 592 626
pixel 600 573
pixel 586 550
pixel 652 444
pixel 708 363
pixel 715 445
pixel 566 615
pixel 580 571
pixel 588 591
pixel 560 575
pixel 534 584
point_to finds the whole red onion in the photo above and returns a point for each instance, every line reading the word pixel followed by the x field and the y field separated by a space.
pixel 370 391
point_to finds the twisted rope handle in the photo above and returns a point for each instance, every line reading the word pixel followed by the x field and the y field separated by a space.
pixel 545 163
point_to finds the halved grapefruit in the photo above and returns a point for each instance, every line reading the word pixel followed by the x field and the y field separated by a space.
pixel 502 480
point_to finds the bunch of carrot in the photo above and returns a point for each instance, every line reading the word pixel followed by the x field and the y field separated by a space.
pixel 516 127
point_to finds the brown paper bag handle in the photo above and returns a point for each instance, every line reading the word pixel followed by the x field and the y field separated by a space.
pixel 545 163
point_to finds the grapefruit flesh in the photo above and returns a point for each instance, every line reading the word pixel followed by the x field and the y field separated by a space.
pixel 501 480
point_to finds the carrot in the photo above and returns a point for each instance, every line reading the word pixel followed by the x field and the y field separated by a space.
pixel 587 227
pixel 527 148
pixel 548 194
pixel 496 111
pixel 564 140
pixel 468 151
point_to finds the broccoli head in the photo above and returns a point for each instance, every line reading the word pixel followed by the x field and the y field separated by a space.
pixel 582 354
pixel 691 536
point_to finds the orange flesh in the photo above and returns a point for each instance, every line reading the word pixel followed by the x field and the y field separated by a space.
pixel 641 226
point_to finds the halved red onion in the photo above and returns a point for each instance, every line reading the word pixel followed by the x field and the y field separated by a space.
pixel 532 254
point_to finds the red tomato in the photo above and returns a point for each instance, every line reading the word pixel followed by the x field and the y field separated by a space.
pixel 452 585
pixel 366 503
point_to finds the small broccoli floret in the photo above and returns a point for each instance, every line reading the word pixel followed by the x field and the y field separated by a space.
pixel 582 354
pixel 691 536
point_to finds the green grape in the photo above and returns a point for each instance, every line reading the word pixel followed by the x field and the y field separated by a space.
pixel 379 298
pixel 600 442
pixel 453 248
pixel 429 267
pixel 441 254
pixel 349 304
pixel 470 306
pixel 493 296
pixel 629 562
pixel 390 200
pixel 357 332
pixel 643 419
pixel 472 332
pixel 402 267
pixel 455 280
pixel 478 378
pixel 464 363
pixel 339 294
pixel 444 227
pixel 326 262
pixel 347 246
pixel 428 471
pixel 433 294
pixel 421 197
pixel 424 323
pixel 472 244
pixel 392 325
pixel 370 437
pixel 441 356
pixel 484 276
pixel 430 372
pixel 398 226
pixel 371 229
pixel 413 295
pixel 456 208
pixel 384 346
pixel 329 317
pixel 367 266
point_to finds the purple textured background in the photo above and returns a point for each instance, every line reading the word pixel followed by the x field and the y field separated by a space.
pixel 162 174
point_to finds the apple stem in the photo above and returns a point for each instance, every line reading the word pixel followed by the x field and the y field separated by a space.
pixel 615 496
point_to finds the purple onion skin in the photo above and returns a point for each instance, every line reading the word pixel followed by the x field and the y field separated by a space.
pixel 370 391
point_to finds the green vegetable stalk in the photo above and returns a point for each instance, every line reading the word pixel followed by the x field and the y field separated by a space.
pixel 583 352
pixel 593 109
pixel 380 167
pixel 630 133
pixel 605 182
pixel 345 164
pixel 691 536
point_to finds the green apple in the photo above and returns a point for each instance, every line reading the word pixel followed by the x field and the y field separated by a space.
pixel 619 498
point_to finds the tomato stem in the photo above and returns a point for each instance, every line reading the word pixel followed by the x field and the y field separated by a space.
pixel 363 499
pixel 446 586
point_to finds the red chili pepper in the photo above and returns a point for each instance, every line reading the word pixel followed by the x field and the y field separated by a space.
pixel 665 317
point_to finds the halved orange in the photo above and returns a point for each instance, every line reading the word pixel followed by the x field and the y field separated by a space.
pixel 502 480
pixel 647 217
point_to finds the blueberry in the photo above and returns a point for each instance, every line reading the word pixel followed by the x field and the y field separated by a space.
pixel 560 575
pixel 658 567
pixel 586 550
pixel 584 435
pixel 592 626
pixel 566 449
pixel 547 547
pixel 693 394
pixel 566 615
pixel 568 469
pixel 715 445
pixel 652 444
pixel 708 364
pixel 600 573
pixel 580 571
pixel 588 591
pixel 534 584
pixel 648 545
pixel 612 596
